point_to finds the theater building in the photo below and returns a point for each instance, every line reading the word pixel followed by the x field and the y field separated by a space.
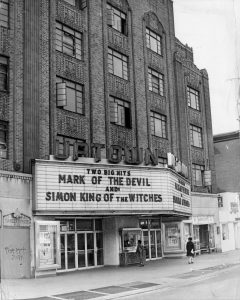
pixel 105 125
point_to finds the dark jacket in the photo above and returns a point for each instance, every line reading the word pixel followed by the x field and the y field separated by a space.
pixel 189 248
pixel 139 250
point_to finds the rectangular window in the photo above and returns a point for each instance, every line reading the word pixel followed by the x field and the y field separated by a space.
pixel 197 175
pixel 3 73
pixel 117 19
pixel 3 140
pixel 193 98
pixel 196 136
pixel 225 232
pixel 154 41
pixel 120 112
pixel 4 13
pixel 74 93
pixel 68 41
pixel 158 125
pixel 156 82
pixel 117 64
pixel 63 140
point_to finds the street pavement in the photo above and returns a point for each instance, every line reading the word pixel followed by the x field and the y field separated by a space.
pixel 120 282
pixel 222 285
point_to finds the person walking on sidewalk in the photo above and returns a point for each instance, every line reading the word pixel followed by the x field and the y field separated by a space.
pixel 140 253
pixel 190 250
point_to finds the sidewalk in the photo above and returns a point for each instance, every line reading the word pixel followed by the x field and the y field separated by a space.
pixel 161 272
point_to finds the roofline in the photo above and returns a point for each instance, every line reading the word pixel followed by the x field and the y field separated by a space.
pixel 228 136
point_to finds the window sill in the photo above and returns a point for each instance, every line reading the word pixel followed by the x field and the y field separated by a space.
pixel 196 147
pixel 119 32
pixel 194 109
pixel 157 94
pixel 67 55
pixel 159 137
pixel 73 112
pixel 118 77
pixel 121 126
pixel 152 51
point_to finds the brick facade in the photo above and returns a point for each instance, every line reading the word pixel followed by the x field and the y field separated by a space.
pixel 30 105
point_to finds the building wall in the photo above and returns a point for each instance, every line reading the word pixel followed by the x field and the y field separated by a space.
pixel 16 207
pixel 229 215
pixel 29 106
pixel 33 134
pixel 227 158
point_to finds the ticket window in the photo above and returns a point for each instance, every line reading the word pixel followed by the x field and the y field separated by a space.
pixel 130 237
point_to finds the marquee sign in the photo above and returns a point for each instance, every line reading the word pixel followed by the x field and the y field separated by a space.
pixel 67 186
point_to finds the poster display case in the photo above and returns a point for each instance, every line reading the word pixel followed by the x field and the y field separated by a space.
pixel 47 245
pixel 172 237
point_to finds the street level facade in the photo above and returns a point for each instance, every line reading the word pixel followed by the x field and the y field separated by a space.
pixel 105 137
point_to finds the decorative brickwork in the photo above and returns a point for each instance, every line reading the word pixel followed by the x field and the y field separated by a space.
pixel 162 145
pixel 155 61
pixel 153 23
pixel 121 136
pixel 118 41
pixel 118 87
pixel 70 124
pixel 120 4
pixel 158 102
pixel 195 117
pixel 69 15
pixel 197 156
pixel 69 67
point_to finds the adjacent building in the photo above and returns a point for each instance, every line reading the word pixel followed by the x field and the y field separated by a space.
pixel 105 136
pixel 227 157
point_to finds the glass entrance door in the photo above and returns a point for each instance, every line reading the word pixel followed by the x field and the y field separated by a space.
pixel 78 250
pixel 81 250
pixel 81 243
pixel 152 243
pixel 146 243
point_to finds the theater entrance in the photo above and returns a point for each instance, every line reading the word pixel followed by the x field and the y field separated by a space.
pixel 81 244
pixel 151 237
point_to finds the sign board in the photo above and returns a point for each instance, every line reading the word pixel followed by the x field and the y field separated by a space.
pixel 67 186
pixel 13 220
pixel 200 220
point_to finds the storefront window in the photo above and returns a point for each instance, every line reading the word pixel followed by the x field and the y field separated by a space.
pixel 155 224
pixel 98 224
pixel 84 225
pixel 47 244
pixel 67 225
pixel 172 236
pixel 144 224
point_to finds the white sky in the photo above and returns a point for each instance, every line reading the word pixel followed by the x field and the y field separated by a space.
pixel 212 29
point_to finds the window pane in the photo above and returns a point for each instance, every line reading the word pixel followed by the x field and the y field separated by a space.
pixel 4 13
pixel 71 99
pixel 117 64
pixel 68 41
